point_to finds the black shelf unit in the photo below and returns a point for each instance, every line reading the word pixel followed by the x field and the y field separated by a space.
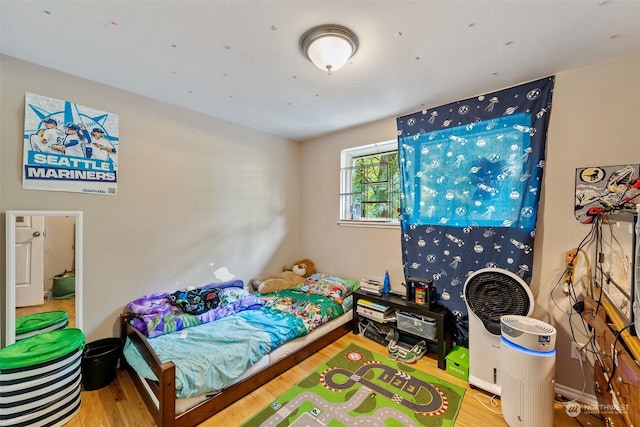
pixel 444 320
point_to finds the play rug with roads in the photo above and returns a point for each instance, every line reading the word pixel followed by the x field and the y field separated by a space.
pixel 361 387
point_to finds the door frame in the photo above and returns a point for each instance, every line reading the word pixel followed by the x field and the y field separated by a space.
pixel 10 301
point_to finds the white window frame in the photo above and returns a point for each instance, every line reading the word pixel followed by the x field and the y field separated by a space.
pixel 347 157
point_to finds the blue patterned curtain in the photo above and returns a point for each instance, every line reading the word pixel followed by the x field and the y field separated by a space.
pixel 471 174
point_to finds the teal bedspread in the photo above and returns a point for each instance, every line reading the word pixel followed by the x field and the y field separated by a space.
pixel 211 356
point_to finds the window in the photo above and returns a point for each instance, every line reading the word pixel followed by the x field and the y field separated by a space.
pixel 370 184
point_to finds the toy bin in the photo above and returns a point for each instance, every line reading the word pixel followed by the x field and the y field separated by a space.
pixel 64 286
pixel 38 323
pixel 417 324
pixel 40 379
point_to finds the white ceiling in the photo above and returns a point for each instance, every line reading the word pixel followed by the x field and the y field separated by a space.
pixel 240 60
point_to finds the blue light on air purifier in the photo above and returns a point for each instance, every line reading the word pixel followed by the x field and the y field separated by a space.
pixel 508 343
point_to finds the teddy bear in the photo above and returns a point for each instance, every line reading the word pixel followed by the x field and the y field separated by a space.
pixel 290 277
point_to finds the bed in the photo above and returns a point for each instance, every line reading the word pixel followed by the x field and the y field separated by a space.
pixel 190 363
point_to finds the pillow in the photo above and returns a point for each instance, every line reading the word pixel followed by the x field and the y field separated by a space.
pixel 331 287
pixel 352 285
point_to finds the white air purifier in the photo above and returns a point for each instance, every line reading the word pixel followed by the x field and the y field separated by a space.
pixel 528 367
pixel 489 294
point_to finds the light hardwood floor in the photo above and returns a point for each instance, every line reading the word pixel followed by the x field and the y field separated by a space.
pixel 119 404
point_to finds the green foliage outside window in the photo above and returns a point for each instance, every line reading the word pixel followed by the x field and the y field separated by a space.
pixel 375 187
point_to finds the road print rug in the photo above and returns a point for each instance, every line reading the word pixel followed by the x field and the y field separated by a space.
pixel 361 387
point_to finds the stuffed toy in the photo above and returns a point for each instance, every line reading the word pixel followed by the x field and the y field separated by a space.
pixel 290 277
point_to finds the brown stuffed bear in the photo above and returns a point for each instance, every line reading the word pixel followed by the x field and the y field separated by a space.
pixel 289 277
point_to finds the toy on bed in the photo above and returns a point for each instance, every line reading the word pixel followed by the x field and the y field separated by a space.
pixel 290 277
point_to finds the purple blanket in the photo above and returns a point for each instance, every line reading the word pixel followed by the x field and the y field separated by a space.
pixel 154 315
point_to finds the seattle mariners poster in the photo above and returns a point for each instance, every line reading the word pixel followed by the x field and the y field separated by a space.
pixel 69 147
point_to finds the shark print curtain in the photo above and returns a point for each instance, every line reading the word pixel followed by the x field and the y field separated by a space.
pixel 471 174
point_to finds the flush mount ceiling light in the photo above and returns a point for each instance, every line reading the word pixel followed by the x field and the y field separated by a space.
pixel 329 46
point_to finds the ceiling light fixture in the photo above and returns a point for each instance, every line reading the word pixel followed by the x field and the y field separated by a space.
pixel 329 46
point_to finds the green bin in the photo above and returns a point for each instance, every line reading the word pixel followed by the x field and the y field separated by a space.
pixel 40 379
pixel 64 286
pixel 38 323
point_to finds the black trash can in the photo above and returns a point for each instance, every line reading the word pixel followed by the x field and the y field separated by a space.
pixel 99 362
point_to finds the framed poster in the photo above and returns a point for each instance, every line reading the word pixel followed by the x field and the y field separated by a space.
pixel 69 147
pixel 605 189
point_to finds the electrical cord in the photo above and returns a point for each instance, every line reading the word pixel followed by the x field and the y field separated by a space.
pixel 492 401
pixel 573 338
pixel 570 273
pixel 614 353
pixel 594 287
pixel 600 276
pixel 589 238
pixel 595 233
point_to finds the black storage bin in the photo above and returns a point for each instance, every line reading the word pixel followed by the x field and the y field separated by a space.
pixel 100 361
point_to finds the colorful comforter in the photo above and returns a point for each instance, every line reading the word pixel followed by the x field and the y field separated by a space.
pixel 212 356
pixel 161 313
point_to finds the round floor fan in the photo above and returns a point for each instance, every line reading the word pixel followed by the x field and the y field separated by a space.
pixel 489 294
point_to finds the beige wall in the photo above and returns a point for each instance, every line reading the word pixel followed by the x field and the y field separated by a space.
pixel 195 194
pixel 593 122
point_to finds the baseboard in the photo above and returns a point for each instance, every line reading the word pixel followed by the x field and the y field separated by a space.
pixel 577 395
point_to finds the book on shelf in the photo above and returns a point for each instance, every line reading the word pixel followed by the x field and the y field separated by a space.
pixel 372 291
pixel 374 314
pixel 373 305
pixel 371 286
pixel 375 311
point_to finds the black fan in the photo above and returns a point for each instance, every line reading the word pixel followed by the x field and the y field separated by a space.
pixel 492 293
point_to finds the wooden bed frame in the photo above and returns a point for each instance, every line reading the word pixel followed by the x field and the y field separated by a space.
pixel 165 392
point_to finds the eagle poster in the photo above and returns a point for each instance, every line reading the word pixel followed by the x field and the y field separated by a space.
pixel 69 147
pixel 606 189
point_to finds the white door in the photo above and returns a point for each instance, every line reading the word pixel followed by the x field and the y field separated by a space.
pixel 30 234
